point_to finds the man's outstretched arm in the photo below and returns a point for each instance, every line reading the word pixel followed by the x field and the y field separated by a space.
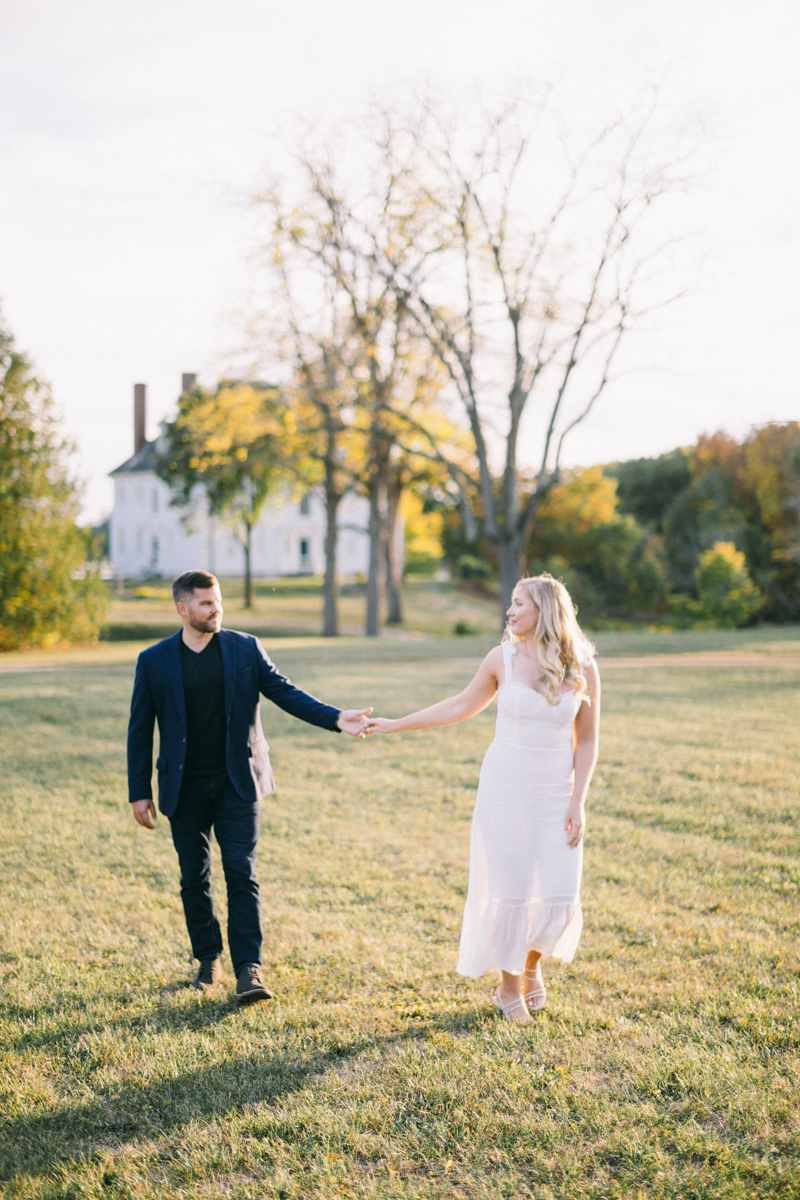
pixel 294 700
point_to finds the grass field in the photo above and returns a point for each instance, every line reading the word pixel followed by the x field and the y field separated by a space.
pixel 292 605
pixel 666 1063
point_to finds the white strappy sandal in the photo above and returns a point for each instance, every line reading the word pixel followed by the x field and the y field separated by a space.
pixel 534 996
pixel 508 1010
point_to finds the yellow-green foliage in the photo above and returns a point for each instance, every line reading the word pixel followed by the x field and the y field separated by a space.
pixel 235 441
pixel 665 1065
pixel 726 591
pixel 607 560
pixel 46 593
pixel 423 532
pixel 727 596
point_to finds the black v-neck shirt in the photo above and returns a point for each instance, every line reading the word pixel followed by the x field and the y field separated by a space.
pixel 204 696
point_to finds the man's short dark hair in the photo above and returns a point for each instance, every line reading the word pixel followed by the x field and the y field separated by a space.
pixel 183 587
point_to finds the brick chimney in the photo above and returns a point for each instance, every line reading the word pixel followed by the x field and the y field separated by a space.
pixel 139 437
pixel 187 382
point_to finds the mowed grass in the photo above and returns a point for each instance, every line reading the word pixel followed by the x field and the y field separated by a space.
pixel 293 605
pixel 666 1062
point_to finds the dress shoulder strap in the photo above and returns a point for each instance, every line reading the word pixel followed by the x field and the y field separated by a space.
pixel 508 657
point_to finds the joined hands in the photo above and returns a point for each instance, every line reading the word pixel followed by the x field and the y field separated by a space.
pixel 354 721
pixel 358 723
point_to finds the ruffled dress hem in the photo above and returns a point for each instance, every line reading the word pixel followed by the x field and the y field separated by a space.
pixel 499 935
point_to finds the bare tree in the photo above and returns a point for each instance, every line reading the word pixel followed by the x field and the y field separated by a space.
pixel 341 244
pixel 527 309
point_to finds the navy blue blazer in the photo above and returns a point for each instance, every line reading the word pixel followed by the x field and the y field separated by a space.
pixel 158 696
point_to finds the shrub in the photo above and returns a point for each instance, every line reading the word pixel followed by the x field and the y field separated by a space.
pixel 470 567
pixel 726 595
pixel 464 629
pixel 609 563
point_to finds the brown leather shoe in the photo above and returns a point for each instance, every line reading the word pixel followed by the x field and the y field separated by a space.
pixel 250 986
pixel 209 974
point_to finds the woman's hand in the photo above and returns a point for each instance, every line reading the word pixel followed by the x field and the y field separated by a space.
pixel 575 822
pixel 381 725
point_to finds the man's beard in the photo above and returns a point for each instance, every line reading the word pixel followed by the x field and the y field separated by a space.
pixel 209 625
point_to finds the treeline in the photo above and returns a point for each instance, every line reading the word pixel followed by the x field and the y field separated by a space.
pixel 424 285
pixel 706 535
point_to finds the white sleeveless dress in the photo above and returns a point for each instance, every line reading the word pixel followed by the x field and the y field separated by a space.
pixel 524 878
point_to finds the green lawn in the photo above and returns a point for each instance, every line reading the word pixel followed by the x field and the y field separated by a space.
pixel 292 605
pixel 666 1063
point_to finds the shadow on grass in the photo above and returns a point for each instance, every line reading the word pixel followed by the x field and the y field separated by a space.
pixel 135 1111
pixel 160 1016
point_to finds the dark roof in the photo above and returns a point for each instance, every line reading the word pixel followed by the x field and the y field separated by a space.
pixel 145 460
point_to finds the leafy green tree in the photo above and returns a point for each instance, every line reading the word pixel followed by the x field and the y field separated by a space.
pixel 685 505
pixel 647 487
pixel 238 443
pixel 747 493
pixel 609 562
pixel 47 593
pixel 771 472
pixel 706 513
pixel 726 595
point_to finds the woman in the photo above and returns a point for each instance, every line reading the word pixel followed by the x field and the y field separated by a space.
pixel 526 846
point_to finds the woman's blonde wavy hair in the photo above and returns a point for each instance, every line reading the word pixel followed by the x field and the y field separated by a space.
pixel 561 645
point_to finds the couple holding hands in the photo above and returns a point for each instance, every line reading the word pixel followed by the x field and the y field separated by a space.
pixel 203 687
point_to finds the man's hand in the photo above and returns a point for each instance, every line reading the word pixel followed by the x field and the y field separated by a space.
pixel 145 813
pixel 353 721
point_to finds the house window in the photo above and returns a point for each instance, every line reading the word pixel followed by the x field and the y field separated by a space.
pixel 121 487
pixel 139 540
pixel 305 505
pixel 154 554
pixel 155 499
pixel 139 492
pixel 305 554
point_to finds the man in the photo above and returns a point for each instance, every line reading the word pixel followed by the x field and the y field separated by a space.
pixel 203 686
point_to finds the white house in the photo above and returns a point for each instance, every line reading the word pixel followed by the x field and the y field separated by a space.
pixel 151 536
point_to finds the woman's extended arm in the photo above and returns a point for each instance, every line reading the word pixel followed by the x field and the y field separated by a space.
pixel 475 696
pixel 587 729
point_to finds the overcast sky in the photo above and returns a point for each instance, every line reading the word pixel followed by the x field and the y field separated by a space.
pixel 130 133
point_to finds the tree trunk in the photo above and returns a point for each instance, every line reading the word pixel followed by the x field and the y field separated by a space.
pixel 509 554
pixel 394 557
pixel 248 578
pixel 376 554
pixel 330 617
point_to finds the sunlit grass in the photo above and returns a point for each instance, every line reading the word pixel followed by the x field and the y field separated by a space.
pixel 666 1063
pixel 294 605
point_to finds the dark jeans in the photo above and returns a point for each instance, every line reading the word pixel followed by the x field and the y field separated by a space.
pixel 204 803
